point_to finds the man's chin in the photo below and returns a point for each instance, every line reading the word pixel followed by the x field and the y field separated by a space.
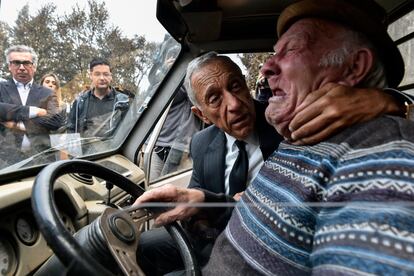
pixel 283 129
pixel 23 80
pixel 242 133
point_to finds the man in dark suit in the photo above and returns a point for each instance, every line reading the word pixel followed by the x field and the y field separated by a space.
pixel 214 153
pixel 235 117
pixel 208 148
pixel 28 111
pixel 221 98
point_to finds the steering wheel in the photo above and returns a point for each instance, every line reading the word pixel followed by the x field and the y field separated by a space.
pixel 119 230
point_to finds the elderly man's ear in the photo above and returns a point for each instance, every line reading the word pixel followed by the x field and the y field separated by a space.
pixel 200 115
pixel 360 63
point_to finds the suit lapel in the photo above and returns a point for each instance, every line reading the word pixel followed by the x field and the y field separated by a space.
pixel 33 97
pixel 214 163
pixel 12 93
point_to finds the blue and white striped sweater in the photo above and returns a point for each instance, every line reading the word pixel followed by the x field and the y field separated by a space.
pixel 346 235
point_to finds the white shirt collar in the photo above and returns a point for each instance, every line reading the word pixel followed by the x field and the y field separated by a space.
pixel 24 86
pixel 252 139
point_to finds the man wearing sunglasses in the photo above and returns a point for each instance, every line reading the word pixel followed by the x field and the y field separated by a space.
pixel 28 111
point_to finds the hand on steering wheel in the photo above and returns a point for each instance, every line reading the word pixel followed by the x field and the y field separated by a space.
pixel 117 229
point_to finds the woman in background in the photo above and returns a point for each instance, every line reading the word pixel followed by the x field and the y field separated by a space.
pixel 51 80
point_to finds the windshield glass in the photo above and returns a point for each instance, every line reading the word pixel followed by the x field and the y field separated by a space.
pixel 75 76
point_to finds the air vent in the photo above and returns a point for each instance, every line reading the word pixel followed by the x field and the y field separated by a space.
pixel 83 177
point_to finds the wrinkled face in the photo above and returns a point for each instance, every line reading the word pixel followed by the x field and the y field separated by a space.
pixel 224 98
pixel 101 76
pixel 294 70
pixel 21 66
pixel 50 82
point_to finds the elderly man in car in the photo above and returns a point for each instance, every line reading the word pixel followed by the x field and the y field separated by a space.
pixel 355 180
pixel 340 206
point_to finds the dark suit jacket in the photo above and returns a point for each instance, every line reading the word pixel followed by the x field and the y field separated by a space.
pixel 208 151
pixel 37 129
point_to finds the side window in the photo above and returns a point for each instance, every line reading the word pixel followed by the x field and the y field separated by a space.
pixel 171 151
pixel 402 32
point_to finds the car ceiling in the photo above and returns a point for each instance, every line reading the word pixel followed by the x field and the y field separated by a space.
pixel 203 21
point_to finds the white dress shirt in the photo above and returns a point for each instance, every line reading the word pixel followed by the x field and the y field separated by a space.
pixel 253 153
pixel 24 90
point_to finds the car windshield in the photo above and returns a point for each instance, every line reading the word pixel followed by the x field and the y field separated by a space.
pixel 42 98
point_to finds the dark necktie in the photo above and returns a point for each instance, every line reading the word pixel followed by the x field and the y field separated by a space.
pixel 238 174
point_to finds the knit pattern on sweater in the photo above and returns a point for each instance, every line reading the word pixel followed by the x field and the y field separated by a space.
pixel 339 207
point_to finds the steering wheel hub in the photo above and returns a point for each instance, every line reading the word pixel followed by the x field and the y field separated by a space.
pixel 122 229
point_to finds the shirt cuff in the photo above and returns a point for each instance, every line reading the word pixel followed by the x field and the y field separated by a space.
pixel 21 126
pixel 33 110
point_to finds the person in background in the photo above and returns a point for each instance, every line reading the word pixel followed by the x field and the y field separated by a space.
pixel 51 81
pixel 172 145
pixel 262 89
pixel 171 149
pixel 98 111
pixel 28 111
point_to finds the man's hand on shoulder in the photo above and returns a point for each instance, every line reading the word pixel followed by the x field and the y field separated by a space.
pixel 170 193
pixel 334 107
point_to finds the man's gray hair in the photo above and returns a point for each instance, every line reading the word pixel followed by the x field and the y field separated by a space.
pixel 352 41
pixel 199 63
pixel 21 49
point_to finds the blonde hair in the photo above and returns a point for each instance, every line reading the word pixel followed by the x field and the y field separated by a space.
pixel 57 91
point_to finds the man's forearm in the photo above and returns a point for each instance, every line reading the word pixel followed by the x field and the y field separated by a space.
pixel 12 112
pixel 52 122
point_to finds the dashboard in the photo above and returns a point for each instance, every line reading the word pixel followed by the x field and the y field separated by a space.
pixel 80 199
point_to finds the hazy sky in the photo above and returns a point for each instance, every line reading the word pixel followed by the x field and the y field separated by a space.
pixel 132 16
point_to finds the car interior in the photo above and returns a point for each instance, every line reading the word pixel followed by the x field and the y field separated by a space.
pixel 46 198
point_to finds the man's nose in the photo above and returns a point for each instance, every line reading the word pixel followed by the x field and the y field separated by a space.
pixel 270 68
pixel 233 102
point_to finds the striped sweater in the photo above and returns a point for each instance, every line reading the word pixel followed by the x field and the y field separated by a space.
pixel 338 207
